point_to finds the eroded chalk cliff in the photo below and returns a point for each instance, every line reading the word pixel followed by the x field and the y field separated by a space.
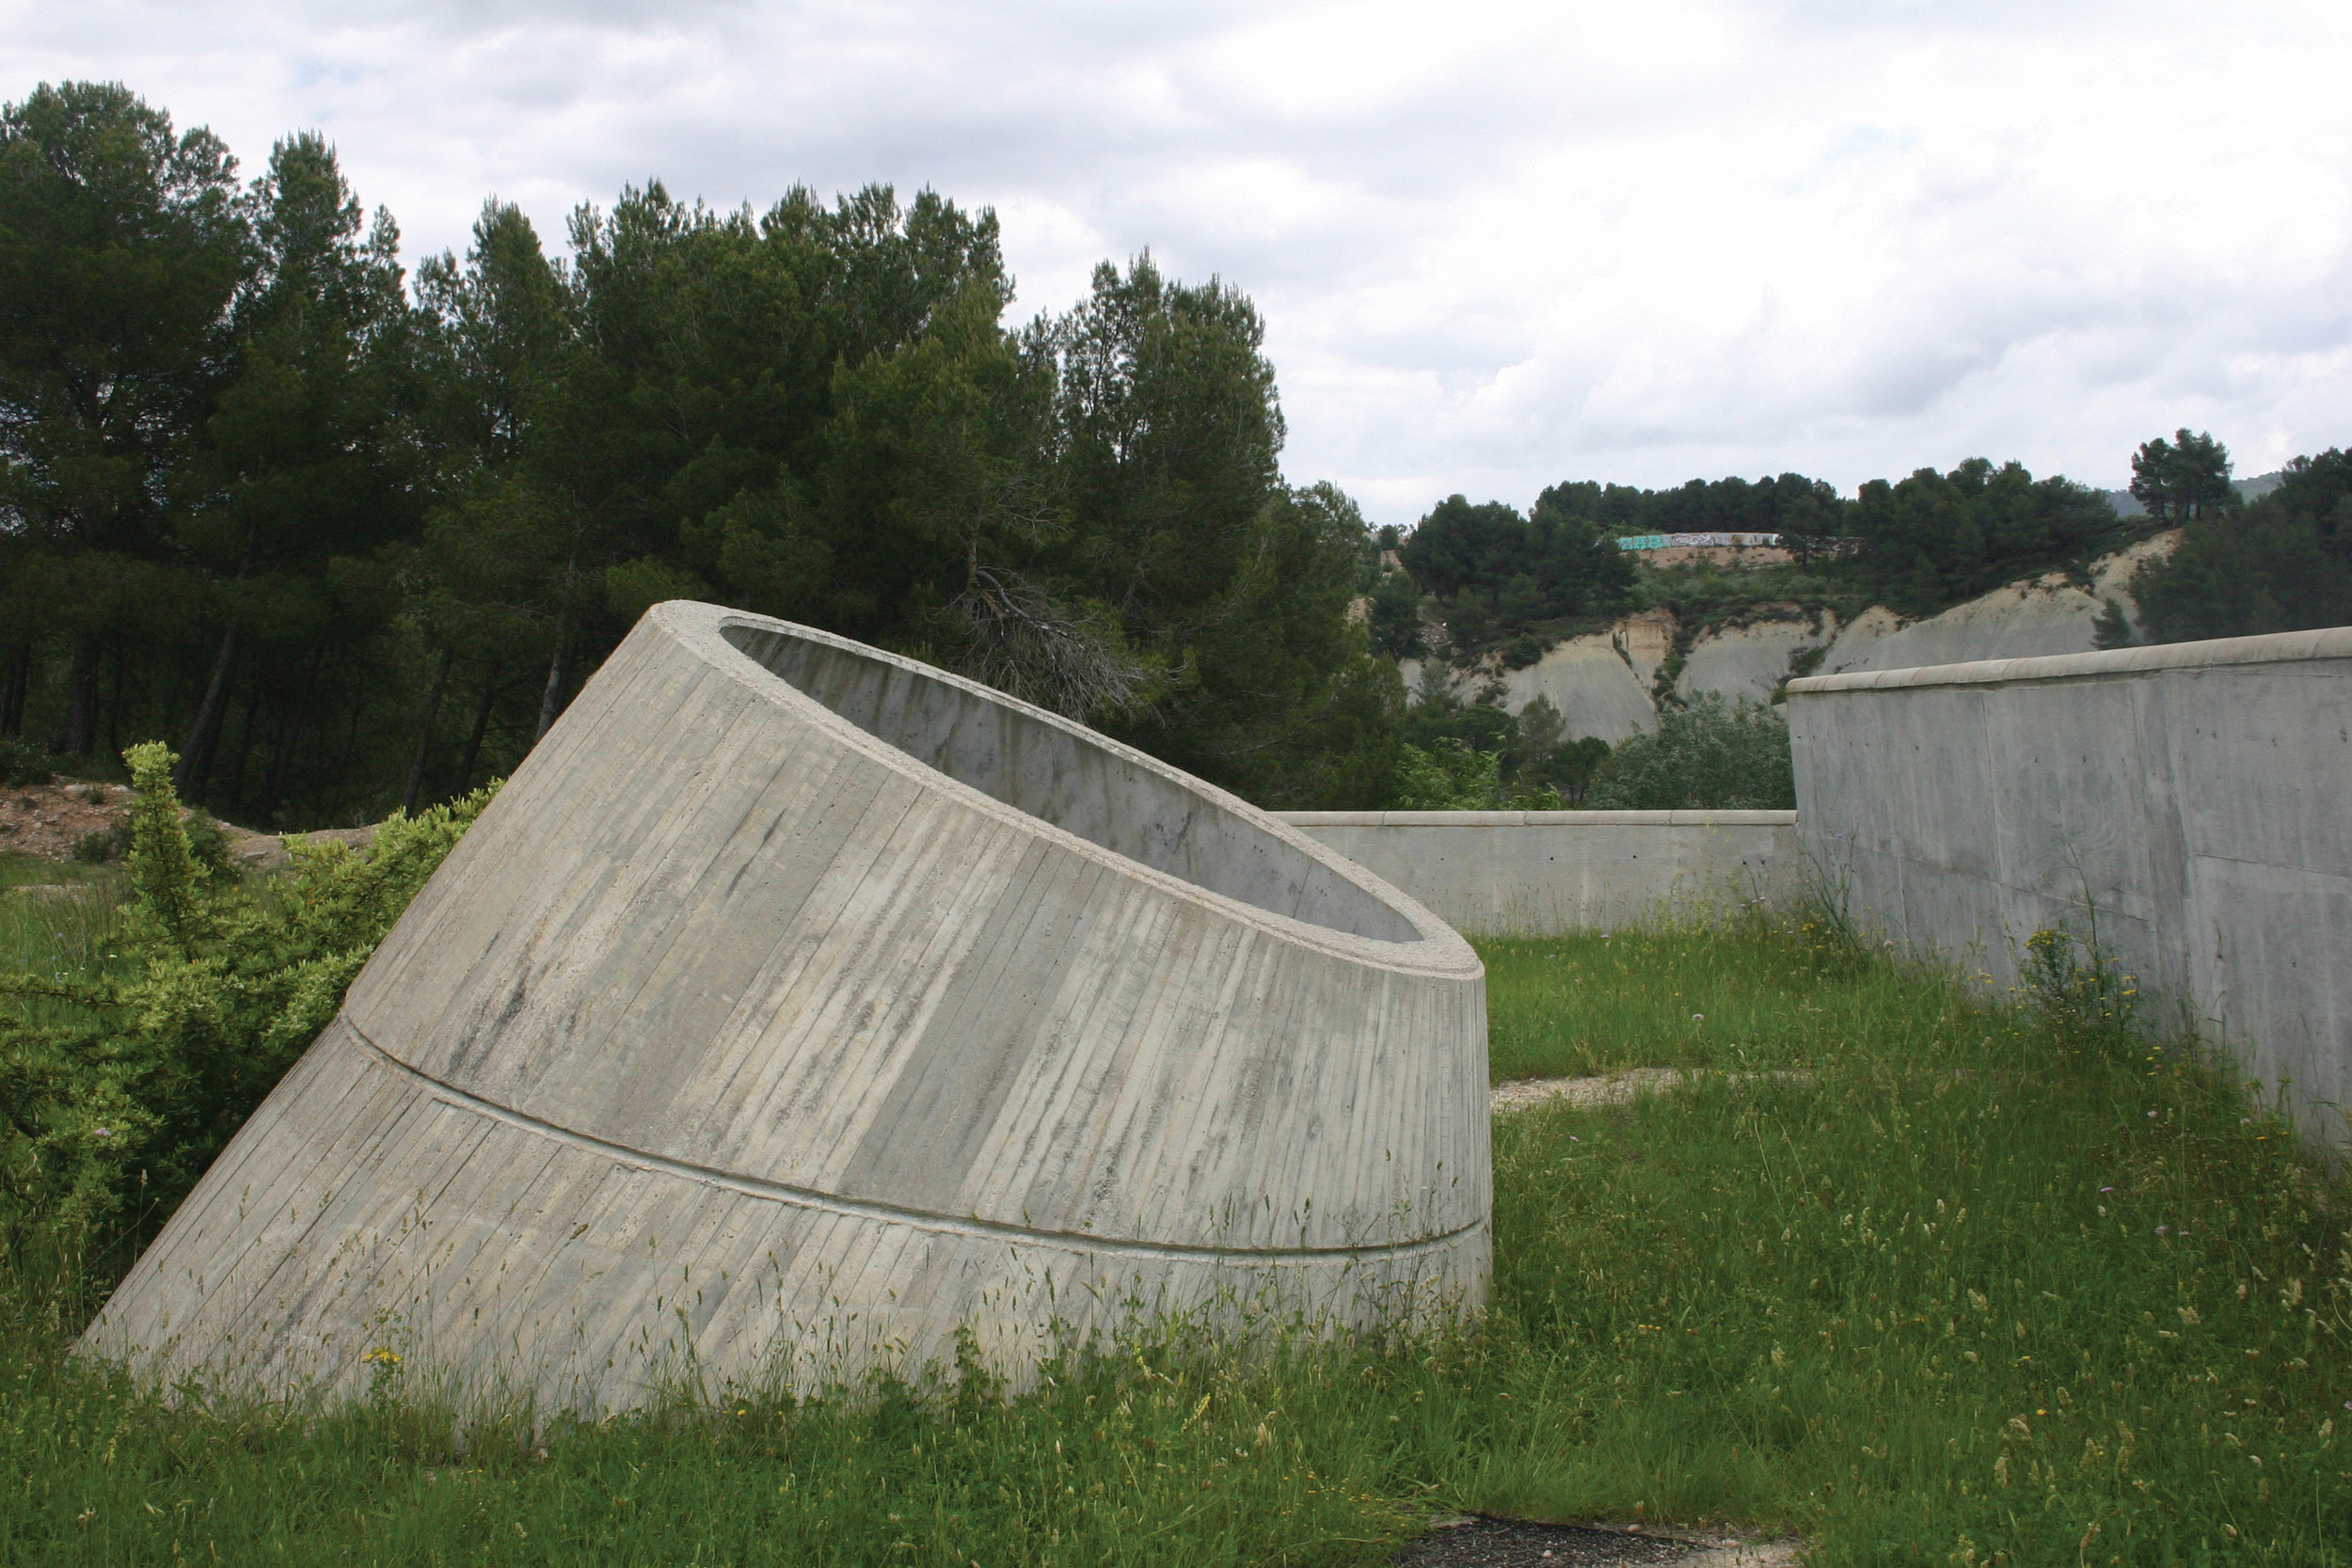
pixel 1607 684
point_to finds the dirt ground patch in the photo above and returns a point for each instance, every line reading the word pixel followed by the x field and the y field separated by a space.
pixel 46 822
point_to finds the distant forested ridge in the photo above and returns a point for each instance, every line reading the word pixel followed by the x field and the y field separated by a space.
pixel 2282 562
pixel 1477 591
pixel 348 538
pixel 1789 505
pixel 1491 580
pixel 1486 582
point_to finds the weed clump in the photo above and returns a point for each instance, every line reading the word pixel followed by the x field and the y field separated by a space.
pixel 118 1082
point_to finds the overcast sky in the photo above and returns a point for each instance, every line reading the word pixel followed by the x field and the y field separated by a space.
pixel 1496 246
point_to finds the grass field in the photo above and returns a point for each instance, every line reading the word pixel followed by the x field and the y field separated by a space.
pixel 23 871
pixel 53 917
pixel 1923 1281
pixel 1738 997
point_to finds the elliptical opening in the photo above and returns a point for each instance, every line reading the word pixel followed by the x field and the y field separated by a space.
pixel 1061 776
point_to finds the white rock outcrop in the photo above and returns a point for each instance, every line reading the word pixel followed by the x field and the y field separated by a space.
pixel 1604 683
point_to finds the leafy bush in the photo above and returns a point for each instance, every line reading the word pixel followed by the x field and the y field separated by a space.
pixel 207 842
pixel 2077 985
pixel 1478 756
pixel 1544 762
pixel 1708 757
pixel 119 1086
pixel 23 763
pixel 101 844
pixel 1449 776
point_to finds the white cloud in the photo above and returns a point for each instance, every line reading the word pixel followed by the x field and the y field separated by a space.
pixel 1496 244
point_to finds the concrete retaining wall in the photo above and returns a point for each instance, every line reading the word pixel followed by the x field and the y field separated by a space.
pixel 2196 796
pixel 1540 872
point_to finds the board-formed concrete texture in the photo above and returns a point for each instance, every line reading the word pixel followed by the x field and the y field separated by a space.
pixel 796 1005
pixel 1542 873
pixel 2196 796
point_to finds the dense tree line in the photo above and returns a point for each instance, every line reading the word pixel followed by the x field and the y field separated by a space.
pixel 352 538
pixel 1790 503
pixel 1488 579
pixel 2283 562
pixel 1497 581
pixel 1928 541
pixel 1498 574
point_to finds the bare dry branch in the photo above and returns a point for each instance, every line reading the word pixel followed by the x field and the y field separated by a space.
pixel 1022 642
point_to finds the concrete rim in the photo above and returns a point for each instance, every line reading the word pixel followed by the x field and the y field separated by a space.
pixel 2327 642
pixel 1439 950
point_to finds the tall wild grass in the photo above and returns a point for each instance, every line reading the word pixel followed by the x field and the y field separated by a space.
pixel 1922 1279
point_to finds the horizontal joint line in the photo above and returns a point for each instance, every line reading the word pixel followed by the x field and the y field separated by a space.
pixel 803 1198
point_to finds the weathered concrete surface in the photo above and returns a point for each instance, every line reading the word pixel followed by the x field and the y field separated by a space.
pixel 2197 796
pixel 796 1005
pixel 1535 873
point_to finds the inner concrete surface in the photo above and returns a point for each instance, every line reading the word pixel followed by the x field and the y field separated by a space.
pixel 796 1007
pixel 1541 873
pixel 2196 799
pixel 1120 799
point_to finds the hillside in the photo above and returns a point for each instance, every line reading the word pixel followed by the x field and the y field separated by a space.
pixel 1607 684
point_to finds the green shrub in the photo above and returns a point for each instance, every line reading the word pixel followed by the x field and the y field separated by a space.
pixel 2078 985
pixel 1479 756
pixel 23 763
pixel 1708 757
pixel 119 1086
pixel 1449 776
pixel 207 841
pixel 101 844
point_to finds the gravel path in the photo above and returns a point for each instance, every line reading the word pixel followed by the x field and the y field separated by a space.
pixel 1486 1542
pixel 1612 1088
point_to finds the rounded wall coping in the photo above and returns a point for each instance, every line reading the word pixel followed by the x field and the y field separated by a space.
pixel 1537 819
pixel 2283 647
pixel 1439 950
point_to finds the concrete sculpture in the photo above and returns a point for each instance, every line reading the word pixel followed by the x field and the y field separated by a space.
pixel 797 1006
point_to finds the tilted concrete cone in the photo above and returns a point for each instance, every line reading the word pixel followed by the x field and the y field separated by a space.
pixel 797 1006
